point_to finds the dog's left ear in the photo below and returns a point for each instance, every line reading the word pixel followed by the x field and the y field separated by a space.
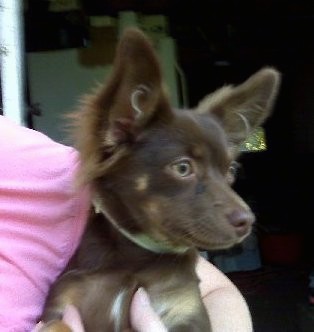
pixel 242 108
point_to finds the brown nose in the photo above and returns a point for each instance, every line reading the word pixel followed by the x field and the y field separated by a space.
pixel 241 220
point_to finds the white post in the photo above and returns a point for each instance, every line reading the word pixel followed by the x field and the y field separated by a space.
pixel 126 19
pixel 12 59
pixel 167 53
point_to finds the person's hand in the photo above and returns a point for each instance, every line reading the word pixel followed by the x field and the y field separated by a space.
pixel 143 318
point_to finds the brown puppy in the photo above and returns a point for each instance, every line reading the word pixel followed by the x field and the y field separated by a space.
pixel 161 184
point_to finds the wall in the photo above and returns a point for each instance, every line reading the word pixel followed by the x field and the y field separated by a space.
pixel 56 81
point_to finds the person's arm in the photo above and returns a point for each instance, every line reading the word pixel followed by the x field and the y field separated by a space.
pixel 225 305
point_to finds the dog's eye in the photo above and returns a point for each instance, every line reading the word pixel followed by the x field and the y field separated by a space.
pixel 183 168
pixel 233 168
pixel 232 172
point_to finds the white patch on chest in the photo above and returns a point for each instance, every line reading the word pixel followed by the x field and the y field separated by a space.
pixel 142 182
pixel 116 310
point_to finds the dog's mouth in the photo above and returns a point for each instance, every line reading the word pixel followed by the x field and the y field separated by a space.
pixel 204 245
pixel 219 245
pixel 205 239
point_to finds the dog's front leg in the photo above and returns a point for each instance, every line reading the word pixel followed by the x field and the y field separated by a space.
pixel 180 308
pixel 190 328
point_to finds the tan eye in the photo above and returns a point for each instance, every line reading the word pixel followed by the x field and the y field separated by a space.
pixel 182 168
pixel 232 172
pixel 233 168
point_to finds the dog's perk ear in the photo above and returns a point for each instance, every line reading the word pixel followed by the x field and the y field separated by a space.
pixel 117 111
pixel 134 91
pixel 242 108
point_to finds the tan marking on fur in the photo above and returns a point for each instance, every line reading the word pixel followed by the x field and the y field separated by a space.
pixel 69 296
pixel 55 326
pixel 141 183
pixel 152 208
pixel 197 152
pixel 109 139
pixel 178 307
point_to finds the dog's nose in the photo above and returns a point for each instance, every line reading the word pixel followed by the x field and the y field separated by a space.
pixel 241 220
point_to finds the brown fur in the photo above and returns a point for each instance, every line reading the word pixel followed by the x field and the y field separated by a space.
pixel 161 174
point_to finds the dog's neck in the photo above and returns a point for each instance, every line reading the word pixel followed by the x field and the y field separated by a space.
pixel 147 242
pixel 142 240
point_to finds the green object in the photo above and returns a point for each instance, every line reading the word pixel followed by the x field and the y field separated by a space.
pixel 256 141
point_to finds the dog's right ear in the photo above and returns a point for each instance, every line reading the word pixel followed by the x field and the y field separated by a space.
pixel 134 91
pixel 118 111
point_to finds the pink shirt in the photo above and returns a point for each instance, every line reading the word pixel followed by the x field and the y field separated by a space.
pixel 42 219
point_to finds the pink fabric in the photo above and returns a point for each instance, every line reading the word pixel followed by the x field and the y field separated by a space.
pixel 41 220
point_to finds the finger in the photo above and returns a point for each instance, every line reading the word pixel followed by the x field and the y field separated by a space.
pixel 72 318
pixel 143 317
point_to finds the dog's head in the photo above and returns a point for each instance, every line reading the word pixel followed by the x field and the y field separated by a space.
pixel 163 176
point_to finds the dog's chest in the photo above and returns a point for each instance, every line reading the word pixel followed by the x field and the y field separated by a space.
pixel 170 281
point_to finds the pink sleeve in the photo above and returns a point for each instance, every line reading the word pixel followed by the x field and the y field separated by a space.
pixel 42 218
